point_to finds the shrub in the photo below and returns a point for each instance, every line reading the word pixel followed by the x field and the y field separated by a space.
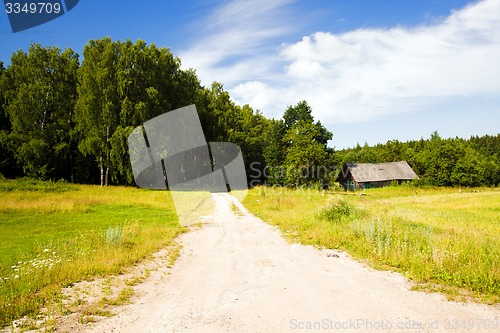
pixel 336 212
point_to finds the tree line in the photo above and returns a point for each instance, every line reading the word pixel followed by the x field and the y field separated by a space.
pixel 437 161
pixel 62 118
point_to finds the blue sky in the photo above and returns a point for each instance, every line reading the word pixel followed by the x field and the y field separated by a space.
pixel 371 70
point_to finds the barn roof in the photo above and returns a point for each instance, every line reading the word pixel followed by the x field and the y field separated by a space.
pixel 366 172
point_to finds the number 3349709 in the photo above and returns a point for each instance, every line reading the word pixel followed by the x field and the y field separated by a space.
pixel 33 8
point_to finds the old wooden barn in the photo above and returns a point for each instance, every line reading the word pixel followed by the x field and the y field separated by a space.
pixel 366 175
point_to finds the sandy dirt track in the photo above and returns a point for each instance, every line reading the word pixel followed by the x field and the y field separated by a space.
pixel 237 274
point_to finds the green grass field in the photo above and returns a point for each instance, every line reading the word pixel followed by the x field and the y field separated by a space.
pixel 442 238
pixel 53 235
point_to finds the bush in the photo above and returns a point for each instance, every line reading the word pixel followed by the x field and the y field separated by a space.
pixel 35 185
pixel 336 212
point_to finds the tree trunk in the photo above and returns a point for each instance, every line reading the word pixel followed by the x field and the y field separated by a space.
pixel 102 172
pixel 107 157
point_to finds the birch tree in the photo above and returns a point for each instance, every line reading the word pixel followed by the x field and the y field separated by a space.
pixel 39 91
pixel 98 107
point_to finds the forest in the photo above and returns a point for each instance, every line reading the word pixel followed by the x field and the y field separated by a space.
pixel 437 161
pixel 66 118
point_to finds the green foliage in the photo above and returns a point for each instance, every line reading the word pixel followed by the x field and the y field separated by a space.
pixel 249 130
pixel 35 185
pixel 120 160
pixel 39 91
pixel 300 112
pixel 222 120
pixel 63 120
pixel 4 119
pixel 306 158
pixel 274 152
pixel 297 153
pixel 438 161
pixel 97 107
pixel 8 164
pixel 337 211
pixel 468 170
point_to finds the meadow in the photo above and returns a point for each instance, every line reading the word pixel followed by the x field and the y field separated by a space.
pixel 443 239
pixel 55 234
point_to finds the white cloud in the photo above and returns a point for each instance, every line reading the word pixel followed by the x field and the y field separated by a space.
pixel 353 76
pixel 257 91
pixel 238 41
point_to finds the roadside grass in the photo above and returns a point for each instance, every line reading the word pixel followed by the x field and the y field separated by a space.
pixel 444 239
pixel 54 234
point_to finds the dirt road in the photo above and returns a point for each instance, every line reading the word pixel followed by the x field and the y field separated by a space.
pixel 237 274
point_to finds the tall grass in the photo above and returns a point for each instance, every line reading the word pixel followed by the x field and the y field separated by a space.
pixel 53 235
pixel 437 237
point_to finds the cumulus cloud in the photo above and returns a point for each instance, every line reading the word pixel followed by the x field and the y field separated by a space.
pixel 361 74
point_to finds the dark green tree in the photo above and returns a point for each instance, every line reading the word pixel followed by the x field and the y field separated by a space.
pixel 294 114
pixel 249 130
pixel 297 152
pixel 4 119
pixel 8 165
pixel 438 161
pixel 215 107
pixel 120 160
pixel 274 153
pixel 98 106
pixel 469 169
pixel 307 159
pixel 150 82
pixel 392 151
pixel 40 91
